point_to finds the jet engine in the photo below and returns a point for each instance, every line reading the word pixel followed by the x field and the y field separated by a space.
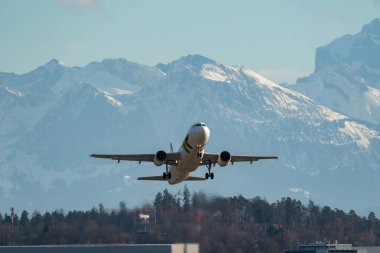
pixel 224 158
pixel 160 158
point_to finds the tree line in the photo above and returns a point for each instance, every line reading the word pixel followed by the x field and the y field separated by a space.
pixel 218 224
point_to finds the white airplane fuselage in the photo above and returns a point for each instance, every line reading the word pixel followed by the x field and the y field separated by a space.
pixel 191 153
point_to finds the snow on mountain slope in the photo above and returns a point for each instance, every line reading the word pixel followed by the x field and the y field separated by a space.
pixel 347 75
pixel 67 113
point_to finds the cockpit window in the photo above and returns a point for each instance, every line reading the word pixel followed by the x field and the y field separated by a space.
pixel 199 124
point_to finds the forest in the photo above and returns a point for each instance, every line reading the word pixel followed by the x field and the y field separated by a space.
pixel 218 224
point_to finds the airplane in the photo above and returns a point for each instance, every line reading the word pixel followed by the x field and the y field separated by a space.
pixel 191 155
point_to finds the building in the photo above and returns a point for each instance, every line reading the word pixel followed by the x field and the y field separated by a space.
pixel 320 247
pixel 114 248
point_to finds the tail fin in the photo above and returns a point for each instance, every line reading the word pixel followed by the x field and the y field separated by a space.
pixel 171 148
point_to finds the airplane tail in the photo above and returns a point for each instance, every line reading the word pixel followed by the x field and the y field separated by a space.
pixel 171 148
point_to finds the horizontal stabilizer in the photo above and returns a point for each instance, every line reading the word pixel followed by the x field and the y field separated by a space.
pixel 154 178
pixel 160 178
pixel 195 179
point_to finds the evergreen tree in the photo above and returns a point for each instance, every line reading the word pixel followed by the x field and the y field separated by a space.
pixel 178 198
pixel 169 202
pixel 123 207
pixel 7 219
pixel 186 199
pixel 219 224
pixel 158 201
pixel 102 210
pixel 24 220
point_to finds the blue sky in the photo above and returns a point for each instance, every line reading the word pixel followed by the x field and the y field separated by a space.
pixel 275 38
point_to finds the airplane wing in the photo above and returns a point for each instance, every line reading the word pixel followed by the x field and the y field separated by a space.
pixel 171 158
pixel 160 178
pixel 213 158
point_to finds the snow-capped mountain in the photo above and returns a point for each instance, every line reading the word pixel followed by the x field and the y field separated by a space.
pixel 347 75
pixel 52 118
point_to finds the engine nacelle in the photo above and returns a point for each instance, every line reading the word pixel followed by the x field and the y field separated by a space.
pixel 160 158
pixel 224 158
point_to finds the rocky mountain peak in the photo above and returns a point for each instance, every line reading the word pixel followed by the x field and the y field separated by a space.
pixel 194 62
pixel 361 50
pixel 347 75
pixel 372 28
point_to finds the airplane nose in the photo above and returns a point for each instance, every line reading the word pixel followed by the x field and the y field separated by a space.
pixel 199 135
pixel 205 134
pixel 202 134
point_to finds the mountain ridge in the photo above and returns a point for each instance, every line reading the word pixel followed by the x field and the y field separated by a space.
pixel 347 75
pixel 69 112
